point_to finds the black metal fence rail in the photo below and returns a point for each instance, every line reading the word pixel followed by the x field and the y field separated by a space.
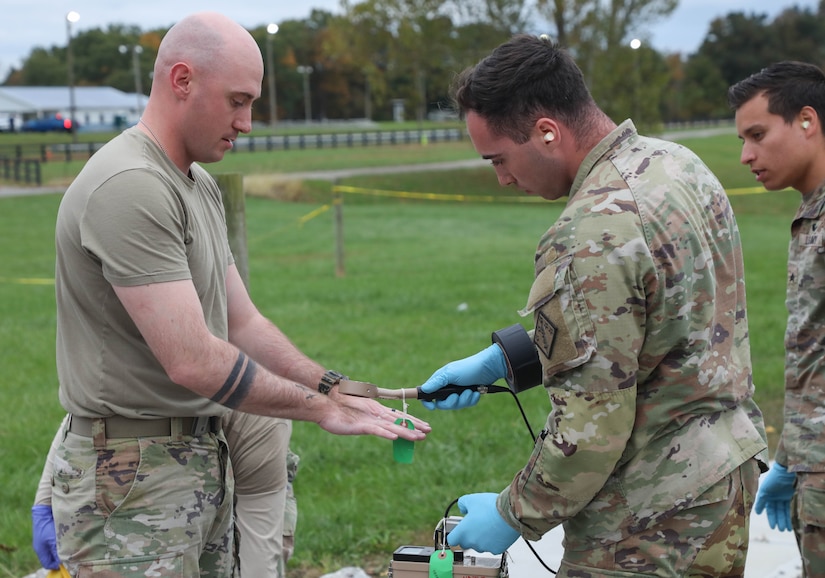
pixel 21 170
pixel 21 162
pixel 80 151
pixel 50 152
pixel 346 139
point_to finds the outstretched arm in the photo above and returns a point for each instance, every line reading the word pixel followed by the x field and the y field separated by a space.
pixel 170 318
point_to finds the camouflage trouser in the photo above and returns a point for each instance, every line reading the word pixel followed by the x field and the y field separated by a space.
pixel 808 519
pixel 705 541
pixel 158 507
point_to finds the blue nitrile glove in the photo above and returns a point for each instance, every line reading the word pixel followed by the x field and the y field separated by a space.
pixel 775 492
pixel 44 538
pixel 484 368
pixel 482 528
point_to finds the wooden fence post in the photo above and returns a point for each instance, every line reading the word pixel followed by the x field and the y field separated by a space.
pixel 231 186
pixel 338 204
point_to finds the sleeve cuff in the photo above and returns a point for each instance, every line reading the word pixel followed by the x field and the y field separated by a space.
pixel 505 510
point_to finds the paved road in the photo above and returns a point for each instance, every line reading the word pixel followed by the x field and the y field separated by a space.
pixel 14 191
pixel 346 173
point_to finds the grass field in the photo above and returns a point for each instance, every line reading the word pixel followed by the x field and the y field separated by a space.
pixel 392 319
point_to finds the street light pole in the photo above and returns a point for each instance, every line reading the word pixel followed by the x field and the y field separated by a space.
pixel 71 17
pixel 271 30
pixel 635 44
pixel 306 71
pixel 137 49
pixel 367 97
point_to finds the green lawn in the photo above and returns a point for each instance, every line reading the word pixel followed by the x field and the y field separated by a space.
pixel 392 319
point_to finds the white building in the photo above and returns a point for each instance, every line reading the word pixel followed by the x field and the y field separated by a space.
pixel 96 107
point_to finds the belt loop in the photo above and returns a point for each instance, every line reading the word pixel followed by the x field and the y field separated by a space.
pixel 201 425
pixel 176 429
pixel 99 433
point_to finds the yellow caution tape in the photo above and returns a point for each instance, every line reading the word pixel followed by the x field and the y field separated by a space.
pixel 487 198
pixel 438 197
pixel 747 191
pixel 27 281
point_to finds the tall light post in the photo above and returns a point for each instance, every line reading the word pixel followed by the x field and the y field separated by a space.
pixel 271 30
pixel 635 44
pixel 137 49
pixel 71 18
pixel 306 71
pixel 367 96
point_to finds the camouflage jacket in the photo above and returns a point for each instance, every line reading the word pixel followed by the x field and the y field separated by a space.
pixel 641 328
pixel 802 446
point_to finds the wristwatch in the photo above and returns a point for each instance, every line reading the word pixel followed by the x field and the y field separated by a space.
pixel 330 379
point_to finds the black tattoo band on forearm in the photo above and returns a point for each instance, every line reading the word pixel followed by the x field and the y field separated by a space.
pixel 238 384
pixel 244 385
pixel 230 381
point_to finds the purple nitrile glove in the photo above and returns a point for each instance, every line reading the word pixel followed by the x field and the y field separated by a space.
pixel 484 368
pixel 482 528
pixel 44 537
pixel 775 492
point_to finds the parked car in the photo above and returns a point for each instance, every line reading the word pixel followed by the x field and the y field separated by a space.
pixel 54 123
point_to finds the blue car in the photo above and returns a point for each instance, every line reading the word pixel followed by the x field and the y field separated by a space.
pixel 54 123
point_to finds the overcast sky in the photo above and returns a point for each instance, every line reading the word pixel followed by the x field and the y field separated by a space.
pixel 26 24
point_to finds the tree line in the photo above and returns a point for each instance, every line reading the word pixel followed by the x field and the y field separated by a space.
pixel 376 51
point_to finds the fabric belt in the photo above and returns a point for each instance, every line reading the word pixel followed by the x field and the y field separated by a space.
pixel 122 427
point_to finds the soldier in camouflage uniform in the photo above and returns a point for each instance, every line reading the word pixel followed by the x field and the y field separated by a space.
pixel 651 453
pixel 157 337
pixel 779 117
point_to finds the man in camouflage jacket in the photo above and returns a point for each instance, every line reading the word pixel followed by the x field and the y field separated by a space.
pixel 650 456
pixel 779 113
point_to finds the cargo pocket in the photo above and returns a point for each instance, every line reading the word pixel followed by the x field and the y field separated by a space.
pixel 812 507
pixel 568 569
pixel 564 334
pixel 74 497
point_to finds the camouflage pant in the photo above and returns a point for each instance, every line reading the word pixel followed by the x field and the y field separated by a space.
pixel 808 519
pixel 705 541
pixel 143 507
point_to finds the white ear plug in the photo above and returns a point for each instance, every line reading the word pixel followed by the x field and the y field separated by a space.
pixel 549 137
pixel 806 124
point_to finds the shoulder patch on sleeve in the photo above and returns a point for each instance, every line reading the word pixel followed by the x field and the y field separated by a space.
pixel 545 334
pixel 564 333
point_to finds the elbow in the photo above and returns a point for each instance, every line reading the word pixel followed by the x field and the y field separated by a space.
pixel 186 374
pixel 195 365
pixel 182 374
